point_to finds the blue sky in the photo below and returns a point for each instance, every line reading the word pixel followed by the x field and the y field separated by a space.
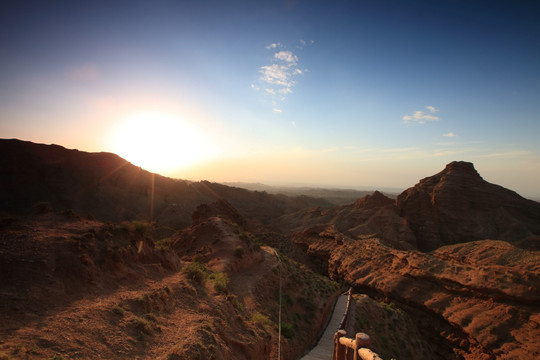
pixel 365 94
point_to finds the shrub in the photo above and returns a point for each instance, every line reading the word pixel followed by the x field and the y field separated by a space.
pixel 262 320
pixel 390 308
pixel 233 299
pixel 287 330
pixel 196 272
pixel 221 281
pixel 164 244
pixel 119 310
pixel 144 325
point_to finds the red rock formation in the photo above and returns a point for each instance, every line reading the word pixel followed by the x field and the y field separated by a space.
pixel 457 205
pixel 372 215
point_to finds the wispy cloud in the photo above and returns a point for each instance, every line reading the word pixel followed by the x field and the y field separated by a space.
pixel 276 74
pixel 273 46
pixel 278 77
pixel 450 134
pixel 287 56
pixel 421 117
pixel 304 43
pixel 277 110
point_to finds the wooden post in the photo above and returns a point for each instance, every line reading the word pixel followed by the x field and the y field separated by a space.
pixel 338 349
pixel 362 341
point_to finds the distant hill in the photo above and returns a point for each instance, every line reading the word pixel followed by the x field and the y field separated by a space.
pixel 110 188
pixel 333 195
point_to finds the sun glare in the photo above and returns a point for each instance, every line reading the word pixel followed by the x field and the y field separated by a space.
pixel 159 142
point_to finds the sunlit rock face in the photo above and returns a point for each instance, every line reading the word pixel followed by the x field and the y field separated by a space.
pixel 458 205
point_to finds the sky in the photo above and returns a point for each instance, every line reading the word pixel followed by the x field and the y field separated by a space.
pixel 354 94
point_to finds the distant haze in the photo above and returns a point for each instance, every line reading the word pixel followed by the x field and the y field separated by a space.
pixel 361 94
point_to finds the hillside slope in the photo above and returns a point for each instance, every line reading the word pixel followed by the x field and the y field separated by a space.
pixel 110 188
pixel 78 288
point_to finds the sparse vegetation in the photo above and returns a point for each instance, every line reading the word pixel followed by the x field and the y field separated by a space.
pixel 56 357
pixel 164 244
pixel 233 299
pixel 196 271
pixel 119 310
pixel 388 307
pixel 221 281
pixel 144 325
pixel 263 321
pixel 287 330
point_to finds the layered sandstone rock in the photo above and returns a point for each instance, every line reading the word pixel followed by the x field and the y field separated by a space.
pixel 457 205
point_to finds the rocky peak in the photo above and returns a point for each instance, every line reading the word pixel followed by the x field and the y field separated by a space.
pixel 457 205
pixel 377 199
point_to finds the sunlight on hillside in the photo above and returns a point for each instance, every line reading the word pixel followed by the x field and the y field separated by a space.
pixel 159 142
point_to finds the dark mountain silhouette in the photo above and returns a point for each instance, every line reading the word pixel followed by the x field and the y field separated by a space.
pixel 110 188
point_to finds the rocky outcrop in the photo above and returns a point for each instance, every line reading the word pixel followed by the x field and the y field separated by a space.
pixel 484 292
pixel 375 200
pixel 457 205
pixel 372 215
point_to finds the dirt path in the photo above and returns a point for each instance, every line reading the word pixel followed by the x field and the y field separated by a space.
pixel 242 283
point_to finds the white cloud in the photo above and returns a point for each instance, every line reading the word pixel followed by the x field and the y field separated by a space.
pixel 450 134
pixel 286 90
pixel 273 46
pixel 277 77
pixel 277 110
pixel 287 56
pixel 421 117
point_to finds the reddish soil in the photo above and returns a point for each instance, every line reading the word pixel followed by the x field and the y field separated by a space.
pixel 76 288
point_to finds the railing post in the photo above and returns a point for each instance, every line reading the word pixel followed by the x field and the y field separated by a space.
pixel 361 341
pixel 338 349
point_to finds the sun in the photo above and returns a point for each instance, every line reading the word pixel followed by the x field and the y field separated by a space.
pixel 159 142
